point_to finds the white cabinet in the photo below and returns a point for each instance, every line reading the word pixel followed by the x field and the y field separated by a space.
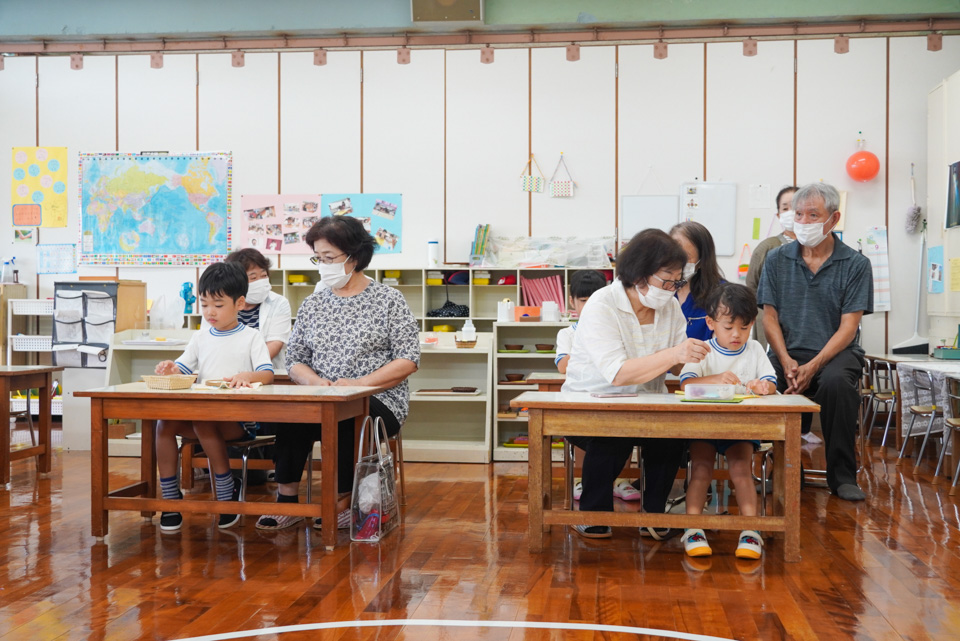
pixel 453 428
pixel 524 361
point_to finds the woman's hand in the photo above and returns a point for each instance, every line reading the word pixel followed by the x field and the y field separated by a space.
pixel 347 382
pixel 166 368
pixel 691 351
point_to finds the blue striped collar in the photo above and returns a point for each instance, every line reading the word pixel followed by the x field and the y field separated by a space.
pixel 230 332
pixel 714 345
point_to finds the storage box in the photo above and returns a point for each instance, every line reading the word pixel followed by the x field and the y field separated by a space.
pixel 391 273
pixel 296 278
pixel 481 278
pixel 526 313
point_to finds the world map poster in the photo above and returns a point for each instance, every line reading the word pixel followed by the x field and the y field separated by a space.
pixel 154 209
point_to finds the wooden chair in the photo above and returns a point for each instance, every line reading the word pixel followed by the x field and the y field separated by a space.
pixel 188 461
pixel 922 380
pixel 883 392
pixel 953 394
pixel 29 417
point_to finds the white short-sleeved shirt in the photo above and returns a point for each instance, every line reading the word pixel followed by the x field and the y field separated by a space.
pixel 564 342
pixel 213 354
pixel 608 334
pixel 748 363
pixel 274 325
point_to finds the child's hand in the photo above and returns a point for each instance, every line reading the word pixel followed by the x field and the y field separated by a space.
pixel 243 379
pixel 729 378
pixel 166 368
pixel 761 387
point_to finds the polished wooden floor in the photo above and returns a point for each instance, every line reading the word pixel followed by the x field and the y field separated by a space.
pixel 888 568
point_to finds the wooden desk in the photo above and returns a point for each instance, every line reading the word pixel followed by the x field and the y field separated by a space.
pixel 772 418
pixel 14 377
pixel 273 403
pixel 895 359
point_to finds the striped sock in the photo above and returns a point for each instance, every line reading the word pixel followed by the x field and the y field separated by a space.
pixel 224 485
pixel 169 489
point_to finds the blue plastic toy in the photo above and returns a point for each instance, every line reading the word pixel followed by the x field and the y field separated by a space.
pixel 186 293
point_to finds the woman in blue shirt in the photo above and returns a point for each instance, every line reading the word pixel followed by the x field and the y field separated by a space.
pixel 702 274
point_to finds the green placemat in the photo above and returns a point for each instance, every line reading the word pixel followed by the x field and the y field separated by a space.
pixel 513 351
pixel 711 400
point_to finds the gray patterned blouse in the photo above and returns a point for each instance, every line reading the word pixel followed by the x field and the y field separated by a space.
pixel 351 337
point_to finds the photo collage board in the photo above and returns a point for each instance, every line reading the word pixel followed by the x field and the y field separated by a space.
pixel 277 223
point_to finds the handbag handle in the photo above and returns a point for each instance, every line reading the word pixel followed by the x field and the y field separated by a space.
pixel 565 168
pixel 528 169
pixel 379 427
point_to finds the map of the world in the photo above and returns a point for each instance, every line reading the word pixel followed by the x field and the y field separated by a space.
pixel 154 209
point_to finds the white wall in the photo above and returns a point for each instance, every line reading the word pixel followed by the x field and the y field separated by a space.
pixel 452 134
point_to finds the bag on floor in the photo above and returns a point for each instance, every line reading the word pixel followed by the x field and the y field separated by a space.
pixel 374 509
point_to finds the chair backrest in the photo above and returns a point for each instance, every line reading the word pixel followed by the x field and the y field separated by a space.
pixel 866 376
pixel 922 380
pixel 883 377
pixel 953 395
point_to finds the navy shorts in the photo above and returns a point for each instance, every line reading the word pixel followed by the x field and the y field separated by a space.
pixel 721 445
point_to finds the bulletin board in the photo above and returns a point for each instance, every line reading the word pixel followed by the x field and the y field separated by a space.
pixel 643 212
pixel 713 205
pixel 277 223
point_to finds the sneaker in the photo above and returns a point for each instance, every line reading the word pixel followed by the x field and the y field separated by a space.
pixel 171 521
pixel 750 546
pixel 695 542
pixel 624 491
pixel 343 521
pixel 226 520
pixel 659 533
pixel 577 490
pixel 592 531
pixel 272 522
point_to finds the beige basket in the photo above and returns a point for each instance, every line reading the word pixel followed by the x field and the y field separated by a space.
pixel 174 381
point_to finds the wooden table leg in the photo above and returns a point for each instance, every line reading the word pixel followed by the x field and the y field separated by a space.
pixel 5 432
pixel 329 432
pixel 45 462
pixel 148 460
pixel 791 489
pixel 99 469
pixel 535 473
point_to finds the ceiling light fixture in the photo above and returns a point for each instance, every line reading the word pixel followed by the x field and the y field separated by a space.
pixel 573 52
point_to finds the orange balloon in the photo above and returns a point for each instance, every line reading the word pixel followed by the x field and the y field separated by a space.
pixel 863 166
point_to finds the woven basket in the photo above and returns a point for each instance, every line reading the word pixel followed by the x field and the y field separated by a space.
pixel 465 344
pixel 174 381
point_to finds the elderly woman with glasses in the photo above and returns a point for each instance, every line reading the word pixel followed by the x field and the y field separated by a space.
pixel 351 331
pixel 630 334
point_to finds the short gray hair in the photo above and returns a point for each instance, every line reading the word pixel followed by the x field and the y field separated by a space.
pixel 829 193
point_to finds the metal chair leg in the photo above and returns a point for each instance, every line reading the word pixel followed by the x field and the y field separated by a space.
pixel 886 428
pixel 243 474
pixel 310 475
pixel 569 457
pixel 956 473
pixel 906 439
pixel 871 414
pixel 923 444
pixel 943 450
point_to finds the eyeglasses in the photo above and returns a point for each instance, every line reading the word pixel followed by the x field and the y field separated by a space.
pixel 671 285
pixel 326 260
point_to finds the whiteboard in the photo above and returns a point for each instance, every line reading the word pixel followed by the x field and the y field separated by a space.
pixel 643 212
pixel 713 205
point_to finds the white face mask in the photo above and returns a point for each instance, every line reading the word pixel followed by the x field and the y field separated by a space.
pixel 810 234
pixel 787 218
pixel 334 275
pixel 257 291
pixel 689 270
pixel 655 298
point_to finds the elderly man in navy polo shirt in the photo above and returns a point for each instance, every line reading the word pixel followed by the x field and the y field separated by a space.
pixel 814 293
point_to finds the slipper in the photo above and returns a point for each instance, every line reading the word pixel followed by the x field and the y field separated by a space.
pixel 624 491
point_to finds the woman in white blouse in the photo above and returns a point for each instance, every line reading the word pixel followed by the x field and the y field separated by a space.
pixel 630 334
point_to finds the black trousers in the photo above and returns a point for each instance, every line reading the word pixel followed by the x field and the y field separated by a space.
pixel 834 388
pixel 604 460
pixel 294 441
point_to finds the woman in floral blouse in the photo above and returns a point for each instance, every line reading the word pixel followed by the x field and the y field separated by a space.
pixel 351 331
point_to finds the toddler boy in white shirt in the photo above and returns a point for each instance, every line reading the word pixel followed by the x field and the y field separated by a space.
pixel 227 350
pixel 733 359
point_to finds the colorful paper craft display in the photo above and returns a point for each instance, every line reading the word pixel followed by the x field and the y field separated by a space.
pixel 39 188
pixel 277 223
